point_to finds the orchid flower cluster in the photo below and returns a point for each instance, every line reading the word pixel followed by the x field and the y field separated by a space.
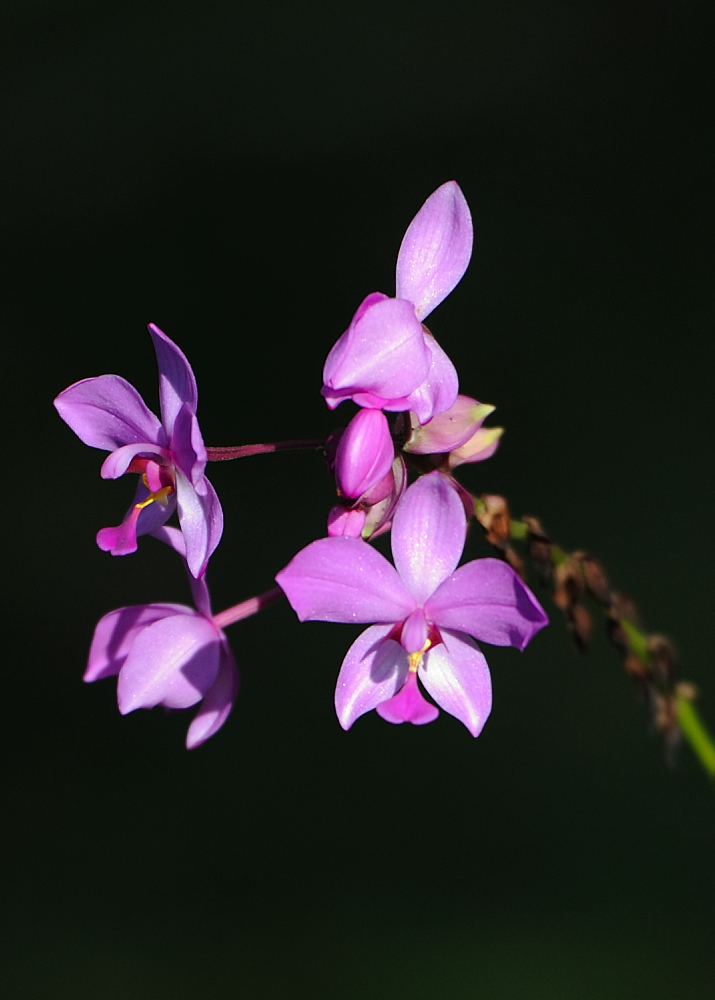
pixel 425 613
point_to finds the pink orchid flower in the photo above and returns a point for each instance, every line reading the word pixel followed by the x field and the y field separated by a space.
pixel 427 611
pixel 168 654
pixel 169 454
pixel 387 359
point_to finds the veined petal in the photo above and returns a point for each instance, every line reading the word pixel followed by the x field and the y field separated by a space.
pixel 344 580
pixel 116 464
pixel 382 352
pixel 439 390
pixel 456 674
pixel 365 453
pixel 172 662
pixel 408 705
pixel 177 384
pixel 217 705
pixel 201 520
pixel 373 670
pixel 435 250
pixel 107 412
pixel 487 599
pixel 187 448
pixel 339 357
pixel 428 533
pixel 115 633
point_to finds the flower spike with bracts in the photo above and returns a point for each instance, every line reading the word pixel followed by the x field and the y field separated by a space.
pixel 169 454
pixel 427 611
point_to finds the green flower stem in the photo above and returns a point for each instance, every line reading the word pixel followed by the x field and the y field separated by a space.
pixel 695 732
pixel 637 642
pixel 680 695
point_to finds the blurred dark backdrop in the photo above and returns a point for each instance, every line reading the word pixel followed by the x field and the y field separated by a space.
pixel 242 177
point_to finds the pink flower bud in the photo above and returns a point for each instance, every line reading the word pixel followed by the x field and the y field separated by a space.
pixel 364 454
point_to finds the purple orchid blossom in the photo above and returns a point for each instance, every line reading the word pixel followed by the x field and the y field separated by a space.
pixel 426 610
pixel 387 359
pixel 168 654
pixel 169 454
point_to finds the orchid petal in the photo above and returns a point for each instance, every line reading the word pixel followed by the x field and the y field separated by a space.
pixel 488 600
pixel 339 356
pixel 155 514
pixel 435 250
pixel 171 537
pixel 122 539
pixel 382 352
pixel 371 401
pixel 187 448
pixel 379 516
pixel 408 705
pixel 116 464
pixel 373 670
pixel 428 534
pixel 448 430
pixel 177 384
pixel 115 633
pixel 364 454
pixel 456 675
pixel 438 392
pixel 344 580
pixel 217 704
pixel 107 412
pixel 172 662
pixel 200 594
pixel 479 447
pixel 201 520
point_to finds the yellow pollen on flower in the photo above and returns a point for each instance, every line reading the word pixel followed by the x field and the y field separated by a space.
pixel 161 496
pixel 416 658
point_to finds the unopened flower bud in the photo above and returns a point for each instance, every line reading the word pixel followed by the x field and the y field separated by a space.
pixel 449 430
pixel 364 454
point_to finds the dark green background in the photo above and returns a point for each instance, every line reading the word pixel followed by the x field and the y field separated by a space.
pixel 243 178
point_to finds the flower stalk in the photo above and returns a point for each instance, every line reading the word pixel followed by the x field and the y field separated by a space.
pixel 227 454
pixel 649 659
pixel 247 608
